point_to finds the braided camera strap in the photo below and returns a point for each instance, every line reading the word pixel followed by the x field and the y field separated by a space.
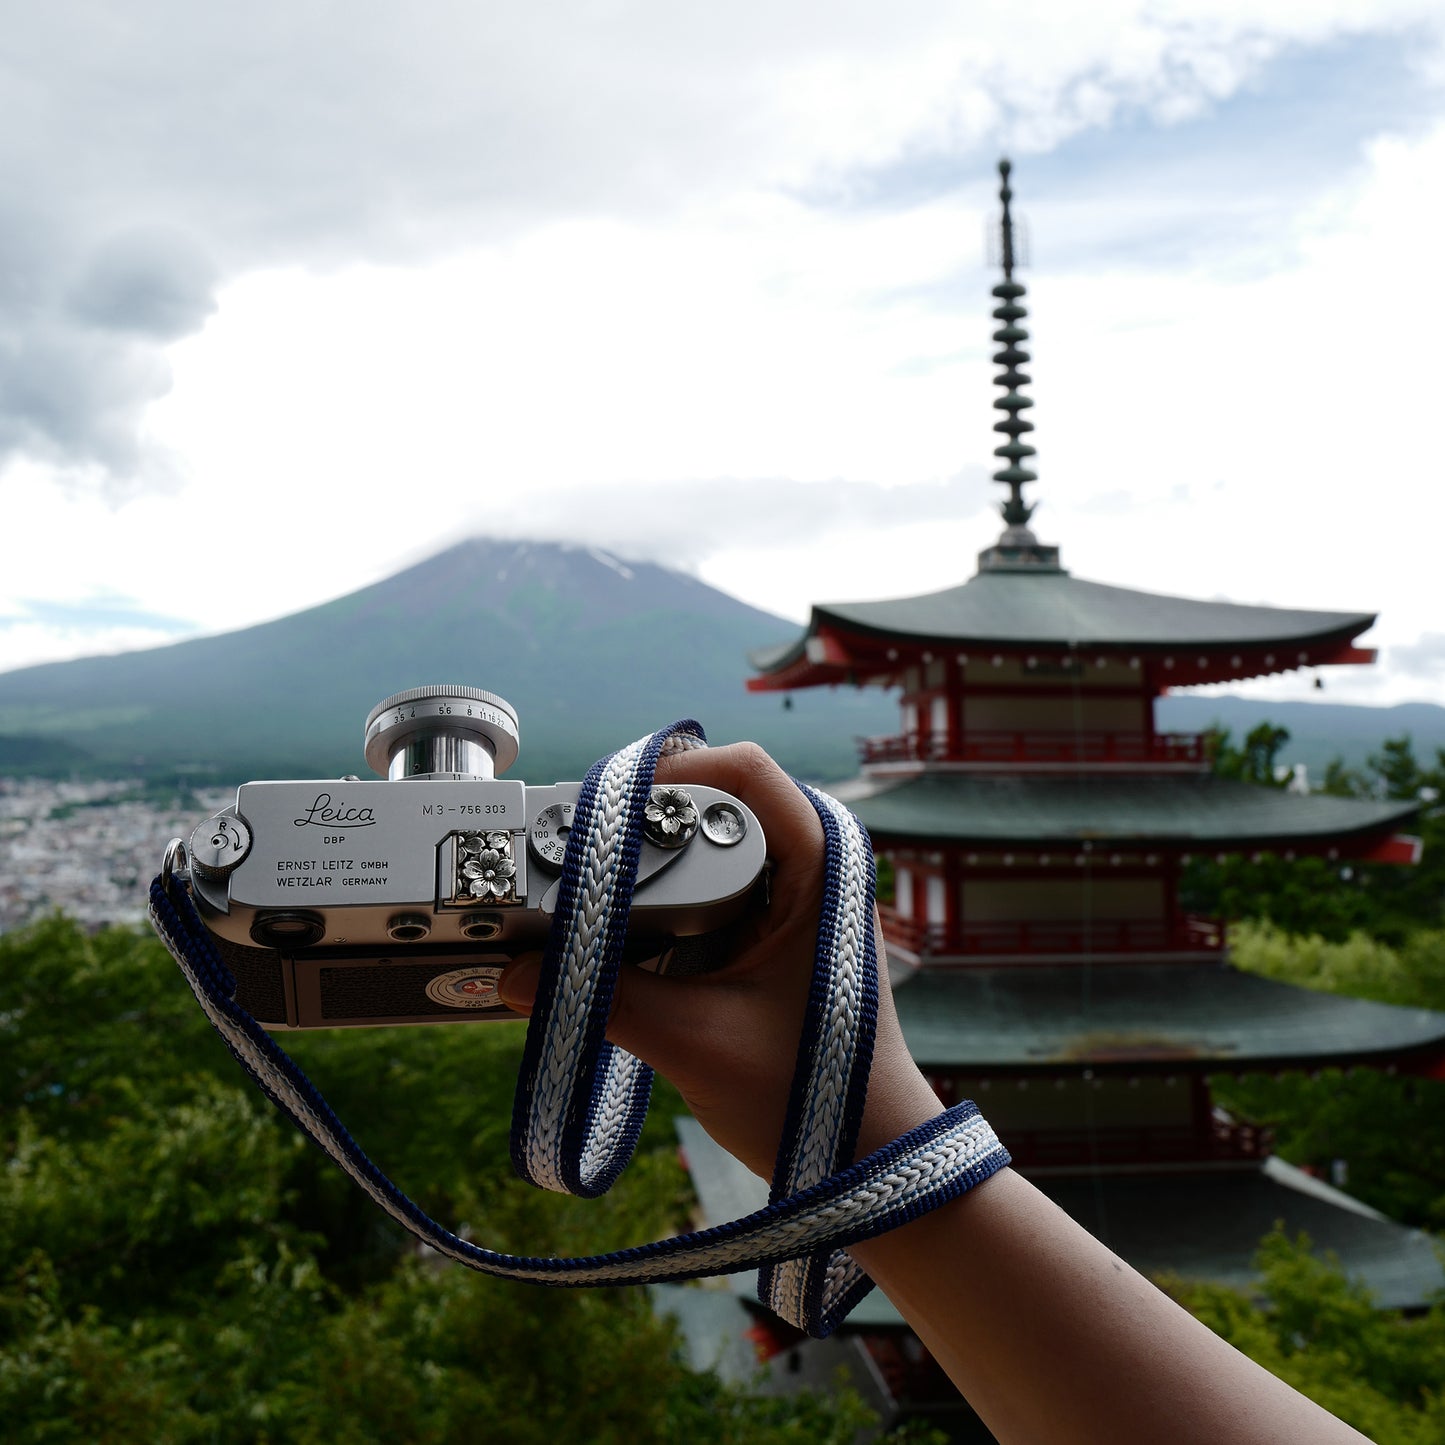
pixel 581 1101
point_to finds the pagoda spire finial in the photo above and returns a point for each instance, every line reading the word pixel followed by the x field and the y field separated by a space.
pixel 1017 549
pixel 1006 225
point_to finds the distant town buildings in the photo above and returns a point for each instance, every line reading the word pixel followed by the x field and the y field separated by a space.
pixel 88 848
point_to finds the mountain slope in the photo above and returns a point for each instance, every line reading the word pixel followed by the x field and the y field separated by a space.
pixel 1319 731
pixel 592 652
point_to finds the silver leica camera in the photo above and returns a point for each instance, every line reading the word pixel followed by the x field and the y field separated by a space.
pixel 349 902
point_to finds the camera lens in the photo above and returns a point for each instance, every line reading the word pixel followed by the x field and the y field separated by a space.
pixel 442 731
pixel 289 928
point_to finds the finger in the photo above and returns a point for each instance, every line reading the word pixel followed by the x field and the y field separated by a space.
pixel 517 987
pixel 661 1020
pixel 794 834
pixel 729 1048
pixel 742 769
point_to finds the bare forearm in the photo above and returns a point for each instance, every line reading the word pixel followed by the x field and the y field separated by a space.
pixel 1050 1337
pixel 1054 1339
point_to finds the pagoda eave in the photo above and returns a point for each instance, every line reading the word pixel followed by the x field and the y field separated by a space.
pixel 1063 611
pixel 1130 1019
pixel 1061 621
pixel 1402 849
pixel 1179 667
pixel 824 655
pixel 834 655
pixel 1179 813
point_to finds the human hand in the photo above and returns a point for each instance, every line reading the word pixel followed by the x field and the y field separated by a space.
pixel 728 1040
pixel 995 1281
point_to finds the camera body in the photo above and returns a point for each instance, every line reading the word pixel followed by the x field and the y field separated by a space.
pixel 350 903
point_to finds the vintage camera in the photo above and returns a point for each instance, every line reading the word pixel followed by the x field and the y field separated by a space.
pixel 345 903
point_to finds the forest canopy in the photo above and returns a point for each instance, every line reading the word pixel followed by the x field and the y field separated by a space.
pixel 177 1263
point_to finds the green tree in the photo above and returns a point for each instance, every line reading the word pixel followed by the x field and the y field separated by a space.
pixel 1256 760
pixel 177 1264
pixel 1319 1331
pixel 1399 775
pixel 1341 781
pixel 1312 895
pixel 1361 1116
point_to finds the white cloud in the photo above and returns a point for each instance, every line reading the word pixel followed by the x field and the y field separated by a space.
pixel 699 285
pixel 333 134
pixel 1424 658
pixel 24 644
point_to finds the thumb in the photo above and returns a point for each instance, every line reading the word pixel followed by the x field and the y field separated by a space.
pixel 656 1018
pixel 517 987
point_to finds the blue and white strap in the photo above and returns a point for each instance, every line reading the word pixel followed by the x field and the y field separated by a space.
pixel 581 1101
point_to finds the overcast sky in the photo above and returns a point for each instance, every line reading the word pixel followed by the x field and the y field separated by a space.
pixel 293 295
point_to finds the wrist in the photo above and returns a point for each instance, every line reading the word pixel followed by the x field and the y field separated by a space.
pixel 899 1099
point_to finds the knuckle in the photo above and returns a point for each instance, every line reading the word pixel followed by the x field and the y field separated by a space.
pixel 754 763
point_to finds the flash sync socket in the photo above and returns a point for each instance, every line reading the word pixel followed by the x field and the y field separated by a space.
pixel 408 927
pixel 481 926
pixel 289 928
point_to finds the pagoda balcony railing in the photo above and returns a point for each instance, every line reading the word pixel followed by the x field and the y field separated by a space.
pixel 1004 748
pixel 1222 1143
pixel 1020 938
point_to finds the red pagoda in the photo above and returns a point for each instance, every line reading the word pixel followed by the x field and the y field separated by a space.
pixel 1036 824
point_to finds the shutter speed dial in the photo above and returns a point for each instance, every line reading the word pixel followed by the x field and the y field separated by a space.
pixel 670 823
pixel 547 837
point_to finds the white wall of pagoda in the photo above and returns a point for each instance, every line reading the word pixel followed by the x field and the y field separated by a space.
pixel 946 700
pixel 990 900
pixel 950 908
pixel 997 712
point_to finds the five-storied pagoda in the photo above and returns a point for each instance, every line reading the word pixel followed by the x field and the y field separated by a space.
pixel 1036 825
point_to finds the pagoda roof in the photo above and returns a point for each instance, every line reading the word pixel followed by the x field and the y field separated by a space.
pixel 1187 810
pixel 1201 1225
pixel 1053 610
pixel 1148 1018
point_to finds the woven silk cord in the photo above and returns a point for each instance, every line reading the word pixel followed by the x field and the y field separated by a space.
pixel 581 1101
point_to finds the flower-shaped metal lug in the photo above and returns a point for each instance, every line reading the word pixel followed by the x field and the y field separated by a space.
pixel 488 875
pixel 671 817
